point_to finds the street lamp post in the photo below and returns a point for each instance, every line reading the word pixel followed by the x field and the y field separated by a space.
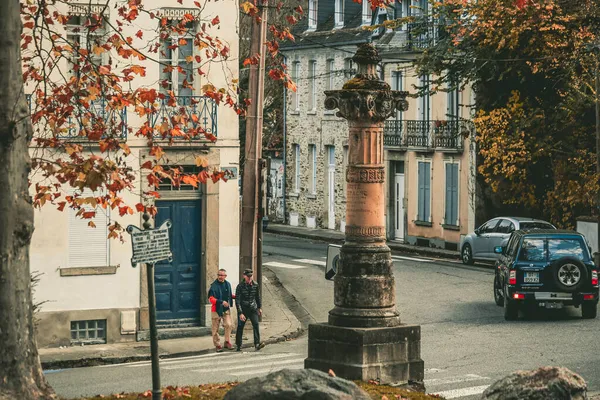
pixel 364 338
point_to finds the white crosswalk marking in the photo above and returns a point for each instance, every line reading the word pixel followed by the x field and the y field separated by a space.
pixel 464 392
pixel 244 365
pixel 284 265
pixel 245 369
pixel 244 360
pixel 457 379
pixel 312 262
pixel 411 259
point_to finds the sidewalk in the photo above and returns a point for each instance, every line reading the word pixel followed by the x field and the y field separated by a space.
pixel 336 237
pixel 278 324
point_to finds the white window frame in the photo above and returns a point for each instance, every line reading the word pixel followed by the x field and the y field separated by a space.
pixel 81 34
pixel 313 14
pixel 174 61
pixel 296 168
pixel 295 95
pixel 329 72
pixel 95 236
pixel 452 102
pixel 397 83
pixel 312 151
pixel 339 13
pixel 425 160
pixel 457 162
pixel 425 100
pixel 367 14
pixel 312 85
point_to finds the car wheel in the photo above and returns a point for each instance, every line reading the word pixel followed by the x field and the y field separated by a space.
pixel 467 254
pixel 498 295
pixel 589 310
pixel 569 274
pixel 511 309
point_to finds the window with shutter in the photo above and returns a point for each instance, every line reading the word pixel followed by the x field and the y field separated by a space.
pixel 451 194
pixel 424 192
pixel 89 246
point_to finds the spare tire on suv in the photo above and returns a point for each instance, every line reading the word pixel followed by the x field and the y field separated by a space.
pixel 569 273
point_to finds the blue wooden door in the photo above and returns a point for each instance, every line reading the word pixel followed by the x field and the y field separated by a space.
pixel 178 282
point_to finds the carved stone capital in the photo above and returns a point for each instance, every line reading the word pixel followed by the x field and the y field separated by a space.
pixel 365 105
pixel 365 175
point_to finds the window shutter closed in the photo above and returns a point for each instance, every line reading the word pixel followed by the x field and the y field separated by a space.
pixel 448 194
pixel 427 168
pixel 88 246
pixel 451 194
pixel 421 208
pixel 455 194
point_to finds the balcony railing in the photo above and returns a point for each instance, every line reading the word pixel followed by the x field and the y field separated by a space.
pixel 98 114
pixel 445 134
pixel 423 34
pixel 197 114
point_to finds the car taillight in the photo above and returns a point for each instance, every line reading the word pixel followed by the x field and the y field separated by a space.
pixel 594 278
pixel 512 277
pixel 518 296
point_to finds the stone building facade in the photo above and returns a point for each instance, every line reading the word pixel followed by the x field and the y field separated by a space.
pixel 429 149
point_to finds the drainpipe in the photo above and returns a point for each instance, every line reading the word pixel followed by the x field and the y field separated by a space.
pixel 283 185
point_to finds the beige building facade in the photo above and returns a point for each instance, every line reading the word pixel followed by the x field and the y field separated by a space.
pixel 429 149
pixel 89 290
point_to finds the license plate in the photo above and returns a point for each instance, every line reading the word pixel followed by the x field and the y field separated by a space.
pixel 531 277
pixel 554 305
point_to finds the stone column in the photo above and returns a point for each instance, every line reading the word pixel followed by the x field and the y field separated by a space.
pixel 364 338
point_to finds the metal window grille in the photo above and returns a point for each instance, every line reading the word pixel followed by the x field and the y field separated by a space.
pixel 88 331
pixel 167 184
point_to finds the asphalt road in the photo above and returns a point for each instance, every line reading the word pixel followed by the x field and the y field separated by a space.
pixel 466 344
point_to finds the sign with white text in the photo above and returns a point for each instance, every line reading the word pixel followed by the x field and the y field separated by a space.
pixel 150 246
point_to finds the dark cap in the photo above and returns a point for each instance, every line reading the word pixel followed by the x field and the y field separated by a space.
pixel 248 272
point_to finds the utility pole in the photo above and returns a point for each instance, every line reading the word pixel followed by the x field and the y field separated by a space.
pixel 251 232
pixel 597 254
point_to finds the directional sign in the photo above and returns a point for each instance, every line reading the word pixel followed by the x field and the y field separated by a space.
pixel 150 246
pixel 333 258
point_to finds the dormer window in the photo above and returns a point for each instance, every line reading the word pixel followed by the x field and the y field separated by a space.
pixel 339 13
pixel 312 14
pixel 366 12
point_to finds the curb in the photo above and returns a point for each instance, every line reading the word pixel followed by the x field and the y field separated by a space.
pixel 406 249
pixel 97 361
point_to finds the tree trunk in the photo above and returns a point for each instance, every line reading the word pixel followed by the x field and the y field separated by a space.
pixel 21 374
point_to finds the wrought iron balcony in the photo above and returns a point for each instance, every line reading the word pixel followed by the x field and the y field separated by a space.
pixel 195 114
pixel 440 135
pixel 423 34
pixel 85 119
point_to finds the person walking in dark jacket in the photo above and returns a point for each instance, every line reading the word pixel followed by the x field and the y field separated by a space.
pixel 220 296
pixel 249 307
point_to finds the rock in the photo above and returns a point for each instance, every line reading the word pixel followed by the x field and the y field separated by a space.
pixel 297 384
pixel 545 383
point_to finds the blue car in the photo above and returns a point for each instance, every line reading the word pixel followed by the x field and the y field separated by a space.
pixel 545 268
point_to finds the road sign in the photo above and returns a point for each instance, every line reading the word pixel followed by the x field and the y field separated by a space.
pixel 150 246
pixel 333 258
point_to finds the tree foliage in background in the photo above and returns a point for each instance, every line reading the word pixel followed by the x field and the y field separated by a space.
pixel 532 69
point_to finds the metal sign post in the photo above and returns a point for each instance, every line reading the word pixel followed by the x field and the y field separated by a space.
pixel 149 247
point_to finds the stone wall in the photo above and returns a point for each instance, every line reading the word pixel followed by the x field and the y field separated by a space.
pixel 320 128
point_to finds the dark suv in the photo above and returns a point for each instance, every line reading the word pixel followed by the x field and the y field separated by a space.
pixel 550 268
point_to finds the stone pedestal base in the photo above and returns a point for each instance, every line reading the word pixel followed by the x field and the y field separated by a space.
pixel 387 354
